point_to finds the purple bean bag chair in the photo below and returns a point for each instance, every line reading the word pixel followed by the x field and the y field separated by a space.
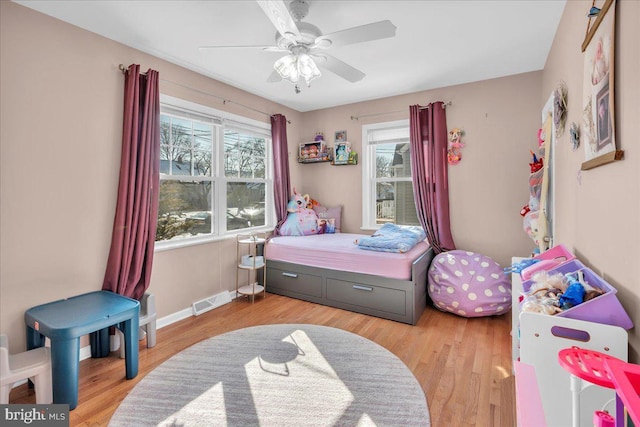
pixel 469 284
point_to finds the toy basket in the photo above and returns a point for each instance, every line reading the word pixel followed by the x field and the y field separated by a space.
pixel 558 253
pixel 548 260
pixel 605 309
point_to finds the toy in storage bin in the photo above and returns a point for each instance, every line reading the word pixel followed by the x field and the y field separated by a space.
pixel 605 309
pixel 548 260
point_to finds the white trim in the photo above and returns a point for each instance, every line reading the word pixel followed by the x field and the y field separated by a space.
pixel 85 352
pixel 200 109
pixel 551 218
pixel 173 318
pixel 168 245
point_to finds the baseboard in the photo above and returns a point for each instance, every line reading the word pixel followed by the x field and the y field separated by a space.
pixel 85 352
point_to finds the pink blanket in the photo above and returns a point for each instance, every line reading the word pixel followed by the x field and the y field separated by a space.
pixel 339 252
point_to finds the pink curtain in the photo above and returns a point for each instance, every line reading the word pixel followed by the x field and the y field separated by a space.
pixel 428 139
pixel 128 270
pixel 281 177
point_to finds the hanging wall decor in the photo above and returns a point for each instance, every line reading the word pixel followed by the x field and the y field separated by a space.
pixel 560 108
pixel 574 136
pixel 598 133
pixel 454 155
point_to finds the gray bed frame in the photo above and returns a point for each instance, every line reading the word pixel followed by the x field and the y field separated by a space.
pixel 394 299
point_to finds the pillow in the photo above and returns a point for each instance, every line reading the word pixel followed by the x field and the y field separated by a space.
pixel 324 212
pixel 326 225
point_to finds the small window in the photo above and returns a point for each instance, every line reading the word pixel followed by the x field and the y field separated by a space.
pixel 386 181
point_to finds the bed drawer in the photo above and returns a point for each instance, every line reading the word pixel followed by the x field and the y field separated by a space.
pixel 367 296
pixel 293 281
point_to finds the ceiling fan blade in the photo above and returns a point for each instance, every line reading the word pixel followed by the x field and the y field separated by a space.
pixel 263 47
pixel 363 33
pixel 274 49
pixel 274 77
pixel 277 12
pixel 341 69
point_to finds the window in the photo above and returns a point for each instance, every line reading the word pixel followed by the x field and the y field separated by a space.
pixel 387 189
pixel 215 176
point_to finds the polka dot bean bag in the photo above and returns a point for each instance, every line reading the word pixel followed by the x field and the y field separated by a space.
pixel 469 284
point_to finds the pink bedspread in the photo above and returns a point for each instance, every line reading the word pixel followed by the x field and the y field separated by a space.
pixel 339 252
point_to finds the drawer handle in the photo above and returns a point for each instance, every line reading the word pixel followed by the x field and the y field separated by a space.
pixel 363 288
pixel 290 275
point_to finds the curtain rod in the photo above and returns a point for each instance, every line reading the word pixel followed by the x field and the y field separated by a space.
pixel 444 105
pixel 225 101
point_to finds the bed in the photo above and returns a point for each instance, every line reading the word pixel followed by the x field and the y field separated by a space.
pixel 330 269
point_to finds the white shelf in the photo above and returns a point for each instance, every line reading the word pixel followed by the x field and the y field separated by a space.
pixel 251 267
pixel 250 289
pixel 256 240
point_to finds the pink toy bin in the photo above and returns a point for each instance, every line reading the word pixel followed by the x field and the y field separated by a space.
pixel 605 309
pixel 558 252
pixel 548 260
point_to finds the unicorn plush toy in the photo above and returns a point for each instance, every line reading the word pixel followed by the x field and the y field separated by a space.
pixel 300 221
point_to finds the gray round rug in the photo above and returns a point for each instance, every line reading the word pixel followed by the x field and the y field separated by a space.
pixel 278 375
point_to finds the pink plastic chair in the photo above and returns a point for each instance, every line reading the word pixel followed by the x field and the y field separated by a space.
pixel 588 365
pixel 626 378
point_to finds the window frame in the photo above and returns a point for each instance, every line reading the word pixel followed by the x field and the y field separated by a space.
pixel 221 120
pixel 369 179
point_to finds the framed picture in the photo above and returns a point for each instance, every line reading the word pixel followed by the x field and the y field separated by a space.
pixel 598 88
pixel 341 136
pixel 341 151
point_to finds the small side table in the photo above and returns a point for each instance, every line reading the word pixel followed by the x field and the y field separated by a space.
pixel 65 321
pixel 249 261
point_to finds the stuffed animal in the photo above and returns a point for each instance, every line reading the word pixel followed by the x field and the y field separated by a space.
pixel 301 221
pixel 453 153
pixel 311 203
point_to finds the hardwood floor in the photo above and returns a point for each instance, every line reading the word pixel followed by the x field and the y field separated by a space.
pixel 463 365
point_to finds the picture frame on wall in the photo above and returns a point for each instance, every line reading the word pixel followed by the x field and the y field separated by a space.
pixel 341 136
pixel 598 128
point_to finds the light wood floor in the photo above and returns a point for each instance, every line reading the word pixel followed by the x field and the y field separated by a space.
pixel 463 365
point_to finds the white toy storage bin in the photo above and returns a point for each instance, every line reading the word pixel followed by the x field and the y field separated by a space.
pixel 542 337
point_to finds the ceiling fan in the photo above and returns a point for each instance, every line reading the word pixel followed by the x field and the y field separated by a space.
pixel 306 46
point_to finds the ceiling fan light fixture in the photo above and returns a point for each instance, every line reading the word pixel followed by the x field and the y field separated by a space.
pixel 287 67
pixel 292 67
pixel 307 68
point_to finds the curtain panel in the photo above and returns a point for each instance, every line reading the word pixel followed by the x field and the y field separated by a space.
pixel 130 260
pixel 428 140
pixel 281 176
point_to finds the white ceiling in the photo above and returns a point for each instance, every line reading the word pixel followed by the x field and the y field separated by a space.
pixel 437 43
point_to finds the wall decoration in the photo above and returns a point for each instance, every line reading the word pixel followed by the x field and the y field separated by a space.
pixel 574 136
pixel 560 108
pixel 598 133
pixel 454 155
pixel 341 136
